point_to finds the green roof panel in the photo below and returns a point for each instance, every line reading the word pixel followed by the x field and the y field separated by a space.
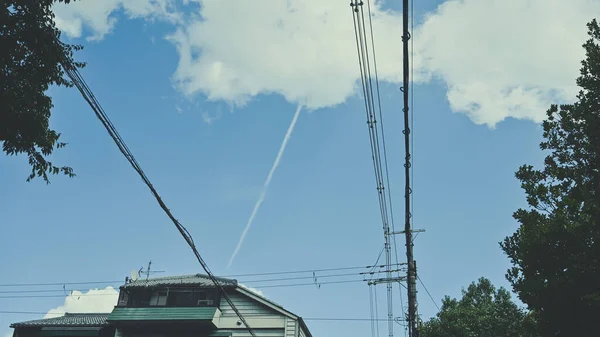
pixel 124 314
pixel 70 331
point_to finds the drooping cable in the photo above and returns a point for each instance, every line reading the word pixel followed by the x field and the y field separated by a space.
pixel 376 310
pixel 371 311
pixel 89 97
pixel 428 293
pixel 376 134
pixel 381 125
pixel 261 316
pixel 370 270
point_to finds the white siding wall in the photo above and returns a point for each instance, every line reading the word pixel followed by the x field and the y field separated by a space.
pixel 256 314
pixel 291 327
pixel 245 305
pixel 258 332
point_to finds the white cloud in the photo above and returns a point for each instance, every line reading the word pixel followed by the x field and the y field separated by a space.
pixel 505 58
pixel 497 58
pixel 98 16
pixel 254 290
pixel 9 334
pixel 92 301
pixel 301 49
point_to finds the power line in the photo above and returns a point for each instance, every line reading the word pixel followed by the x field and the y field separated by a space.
pixel 371 268
pixel 262 316
pixel 308 271
pixel 69 291
pixel 58 283
pixel 255 286
pixel 428 293
pixel 376 137
pixel 371 310
pixel 78 81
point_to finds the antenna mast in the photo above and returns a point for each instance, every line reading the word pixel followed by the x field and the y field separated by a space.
pixel 147 272
pixel 411 277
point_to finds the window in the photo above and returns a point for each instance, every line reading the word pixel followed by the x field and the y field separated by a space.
pixel 158 299
pixel 190 298
pixel 123 299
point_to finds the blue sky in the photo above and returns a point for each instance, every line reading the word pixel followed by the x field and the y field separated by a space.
pixel 207 141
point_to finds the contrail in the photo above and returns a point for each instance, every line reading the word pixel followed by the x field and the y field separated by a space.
pixel 267 183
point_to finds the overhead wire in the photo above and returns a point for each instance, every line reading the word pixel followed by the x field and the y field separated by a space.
pixel 371 311
pixel 381 125
pixel 371 269
pixel 259 286
pixel 376 310
pixel 71 70
pixel 377 261
pixel 262 316
pixel 428 293
pixel 376 134
pixel 67 292
pixel 249 283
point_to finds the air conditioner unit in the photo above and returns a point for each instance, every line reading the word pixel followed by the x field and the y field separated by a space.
pixel 205 303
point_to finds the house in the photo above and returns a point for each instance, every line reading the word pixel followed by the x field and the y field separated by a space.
pixel 178 306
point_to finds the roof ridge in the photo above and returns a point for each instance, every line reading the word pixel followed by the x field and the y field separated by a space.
pixel 175 280
pixel 85 313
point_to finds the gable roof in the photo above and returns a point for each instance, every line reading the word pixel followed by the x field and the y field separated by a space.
pixel 68 320
pixel 198 280
pixel 267 302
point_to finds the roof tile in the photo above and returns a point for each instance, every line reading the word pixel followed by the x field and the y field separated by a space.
pixel 68 320
pixel 199 280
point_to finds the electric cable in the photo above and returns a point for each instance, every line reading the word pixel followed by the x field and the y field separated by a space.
pixel 254 286
pixel 71 70
pixel 262 316
pixel 428 293
pixel 376 309
pixel 371 311
pixel 376 136
pixel 370 268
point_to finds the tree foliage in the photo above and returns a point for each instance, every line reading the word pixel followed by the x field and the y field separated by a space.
pixel 482 311
pixel 30 55
pixel 555 253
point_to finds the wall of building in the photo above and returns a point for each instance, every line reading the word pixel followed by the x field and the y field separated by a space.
pixel 257 315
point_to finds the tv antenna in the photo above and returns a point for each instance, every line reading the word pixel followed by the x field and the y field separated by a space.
pixel 147 272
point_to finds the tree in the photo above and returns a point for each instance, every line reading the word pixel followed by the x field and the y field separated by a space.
pixel 555 252
pixel 482 311
pixel 30 55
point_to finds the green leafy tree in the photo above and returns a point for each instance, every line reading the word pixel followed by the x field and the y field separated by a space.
pixel 555 253
pixel 483 311
pixel 30 55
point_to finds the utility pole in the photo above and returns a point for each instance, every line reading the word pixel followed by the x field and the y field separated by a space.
pixel 411 277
